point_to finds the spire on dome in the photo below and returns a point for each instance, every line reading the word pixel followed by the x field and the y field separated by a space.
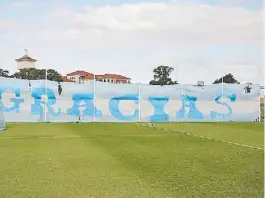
pixel 26 57
pixel 26 52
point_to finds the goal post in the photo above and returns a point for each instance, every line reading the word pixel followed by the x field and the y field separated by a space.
pixel 2 121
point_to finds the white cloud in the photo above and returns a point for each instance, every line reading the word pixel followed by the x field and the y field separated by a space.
pixel 20 4
pixel 154 22
pixel 240 2
pixel 7 24
pixel 149 33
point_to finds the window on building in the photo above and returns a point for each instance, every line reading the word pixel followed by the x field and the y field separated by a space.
pixel 104 80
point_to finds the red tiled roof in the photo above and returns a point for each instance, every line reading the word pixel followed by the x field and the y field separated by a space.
pixel 91 76
pixel 26 58
pixel 99 76
pixel 83 73
pixel 113 76
pixel 65 79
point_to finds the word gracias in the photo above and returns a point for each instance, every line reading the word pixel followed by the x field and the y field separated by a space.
pixel 87 99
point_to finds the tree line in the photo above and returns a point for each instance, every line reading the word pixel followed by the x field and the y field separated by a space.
pixel 162 77
pixel 33 74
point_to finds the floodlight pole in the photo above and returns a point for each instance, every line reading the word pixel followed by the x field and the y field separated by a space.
pixel 259 108
pixel 182 95
pixel 139 102
pixel 222 97
pixel 94 93
pixel 46 85
pixel 182 86
pixel 177 73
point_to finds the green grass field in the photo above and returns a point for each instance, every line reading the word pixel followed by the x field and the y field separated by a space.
pixel 130 160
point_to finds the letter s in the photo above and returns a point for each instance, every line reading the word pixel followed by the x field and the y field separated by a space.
pixel 232 99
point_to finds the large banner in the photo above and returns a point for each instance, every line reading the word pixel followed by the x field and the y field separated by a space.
pixel 48 101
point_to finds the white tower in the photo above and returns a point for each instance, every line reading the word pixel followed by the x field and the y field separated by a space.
pixel 25 62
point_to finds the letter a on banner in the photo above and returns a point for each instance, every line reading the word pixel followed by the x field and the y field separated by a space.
pixel 88 105
pixel 189 102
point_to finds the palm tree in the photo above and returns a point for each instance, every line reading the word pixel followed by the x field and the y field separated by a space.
pixel 4 73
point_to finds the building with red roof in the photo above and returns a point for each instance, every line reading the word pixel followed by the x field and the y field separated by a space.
pixel 65 79
pixel 26 62
pixel 81 76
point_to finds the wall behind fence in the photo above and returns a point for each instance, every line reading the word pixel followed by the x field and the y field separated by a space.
pixel 45 101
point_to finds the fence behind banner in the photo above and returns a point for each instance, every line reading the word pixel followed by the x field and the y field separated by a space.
pixel 93 101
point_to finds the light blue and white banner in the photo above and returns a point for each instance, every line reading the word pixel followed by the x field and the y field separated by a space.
pixel 48 101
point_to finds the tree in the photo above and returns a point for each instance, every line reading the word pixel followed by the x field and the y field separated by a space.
pixel 4 73
pixel 54 75
pixel 38 74
pixel 29 74
pixel 162 76
pixel 228 78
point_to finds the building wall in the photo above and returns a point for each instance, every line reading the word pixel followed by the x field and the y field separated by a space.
pixel 25 65
pixel 74 78
pixel 115 81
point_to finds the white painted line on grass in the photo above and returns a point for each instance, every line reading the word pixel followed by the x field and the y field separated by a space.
pixel 203 137
pixel 73 136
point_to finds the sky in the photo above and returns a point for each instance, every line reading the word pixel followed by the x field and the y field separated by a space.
pixel 200 39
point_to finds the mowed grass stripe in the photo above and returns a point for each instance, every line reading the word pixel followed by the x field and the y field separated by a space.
pixel 188 167
pixel 196 135
pixel 83 129
pixel 251 134
pixel 66 168
pixel 171 129
pixel 78 136
pixel 124 166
